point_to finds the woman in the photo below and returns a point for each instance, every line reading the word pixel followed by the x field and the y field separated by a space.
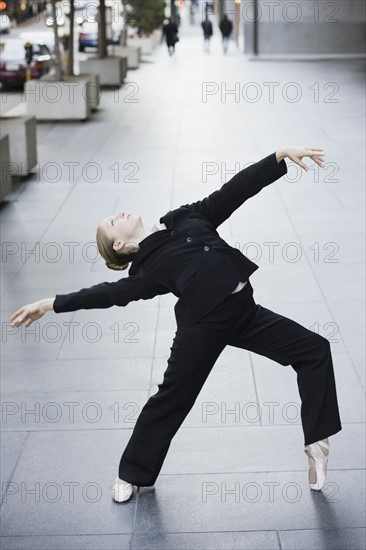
pixel 170 30
pixel 184 254
pixel 207 33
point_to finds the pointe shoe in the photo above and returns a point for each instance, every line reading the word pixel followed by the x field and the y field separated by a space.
pixel 122 490
pixel 318 454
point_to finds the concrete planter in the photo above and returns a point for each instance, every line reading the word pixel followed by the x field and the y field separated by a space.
pixel 22 142
pixel 156 34
pixel 51 99
pixel 111 70
pixel 133 54
pixel 92 91
pixel 5 178
pixel 146 43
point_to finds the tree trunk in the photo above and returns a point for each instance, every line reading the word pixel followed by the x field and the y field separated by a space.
pixel 70 46
pixel 123 37
pixel 102 37
pixel 59 64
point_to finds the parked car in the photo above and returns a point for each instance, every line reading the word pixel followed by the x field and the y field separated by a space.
pixel 5 23
pixel 13 64
pixel 88 36
pixel 46 37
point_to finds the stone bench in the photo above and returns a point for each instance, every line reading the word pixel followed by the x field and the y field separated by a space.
pixel 111 70
pixel 72 98
pixel 133 54
pixel 22 132
pixel 5 178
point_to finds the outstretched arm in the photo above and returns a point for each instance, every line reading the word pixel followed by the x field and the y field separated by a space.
pixel 103 295
pixel 220 204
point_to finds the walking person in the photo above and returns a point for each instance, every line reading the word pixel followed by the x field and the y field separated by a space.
pixel 184 254
pixel 170 30
pixel 207 33
pixel 226 28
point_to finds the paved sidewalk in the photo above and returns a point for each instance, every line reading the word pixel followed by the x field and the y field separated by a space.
pixel 73 384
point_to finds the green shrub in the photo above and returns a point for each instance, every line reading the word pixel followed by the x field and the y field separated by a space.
pixel 145 15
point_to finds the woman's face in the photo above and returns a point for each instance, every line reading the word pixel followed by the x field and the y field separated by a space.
pixel 122 229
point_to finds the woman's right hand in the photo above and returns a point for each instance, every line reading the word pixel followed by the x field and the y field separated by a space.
pixel 31 312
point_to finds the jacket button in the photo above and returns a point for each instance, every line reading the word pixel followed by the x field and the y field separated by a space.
pixel 172 232
pixel 206 248
pixel 189 239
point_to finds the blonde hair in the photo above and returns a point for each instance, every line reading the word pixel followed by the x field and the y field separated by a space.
pixel 113 260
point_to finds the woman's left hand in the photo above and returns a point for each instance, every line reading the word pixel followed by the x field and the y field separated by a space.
pixel 296 154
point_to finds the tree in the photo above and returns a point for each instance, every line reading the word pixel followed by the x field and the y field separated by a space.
pixel 70 43
pixel 59 65
pixel 145 15
pixel 102 34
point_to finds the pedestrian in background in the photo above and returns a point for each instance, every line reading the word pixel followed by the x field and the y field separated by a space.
pixel 170 30
pixel 226 28
pixel 207 33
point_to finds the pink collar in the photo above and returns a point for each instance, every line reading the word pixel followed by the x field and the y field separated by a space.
pixel 158 226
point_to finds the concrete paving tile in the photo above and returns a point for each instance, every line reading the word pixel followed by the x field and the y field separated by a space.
pixel 345 223
pixel 257 449
pixel 71 542
pixel 41 185
pixel 347 271
pixel 98 197
pixel 12 445
pixel 358 359
pixel 168 300
pixel 18 294
pixel 287 282
pixel 352 314
pixel 324 201
pixel 56 496
pixel 6 281
pixel 45 210
pixel 351 200
pixel 42 340
pixel 58 260
pixel 15 253
pixel 253 540
pixel 352 311
pixel 76 375
pixel 330 220
pixel 163 342
pixel 125 322
pixel 23 231
pixel 275 234
pixel 344 249
pixel 340 290
pixel 232 502
pixel 326 539
pixel 97 342
pixel 81 410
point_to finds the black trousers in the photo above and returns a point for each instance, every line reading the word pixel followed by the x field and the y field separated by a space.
pixel 238 321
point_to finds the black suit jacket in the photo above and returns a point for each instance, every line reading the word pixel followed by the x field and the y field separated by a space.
pixel 189 258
